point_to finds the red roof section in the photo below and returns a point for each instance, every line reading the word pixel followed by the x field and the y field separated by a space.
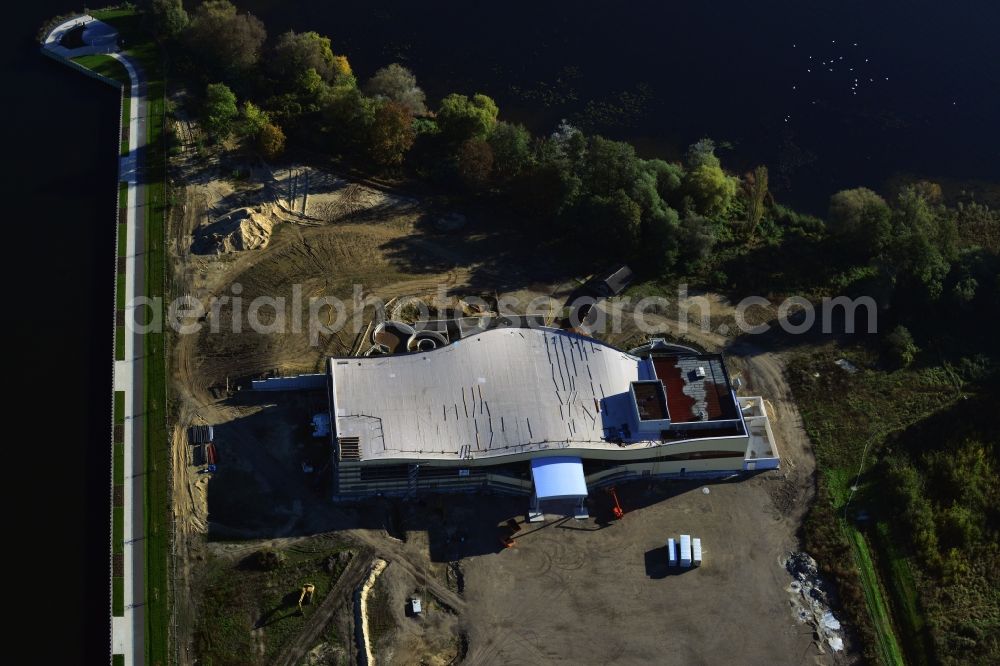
pixel 679 405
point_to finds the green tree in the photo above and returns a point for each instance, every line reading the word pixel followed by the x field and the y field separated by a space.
pixel 547 190
pixel 702 153
pixel 755 189
pixel 254 119
pixel 224 39
pixel 610 223
pixel 511 146
pixel 461 117
pixel 271 141
pixel 397 83
pixel 475 162
pixel 669 178
pixel 166 18
pixel 392 133
pixel 349 115
pixel 296 52
pixel 696 238
pixel 710 189
pixel 923 242
pixel 862 219
pixel 219 110
pixel 609 166
pixel 900 347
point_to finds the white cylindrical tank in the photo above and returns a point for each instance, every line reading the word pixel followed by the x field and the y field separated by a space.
pixel 671 552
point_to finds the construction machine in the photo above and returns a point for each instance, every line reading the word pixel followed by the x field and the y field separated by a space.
pixel 306 596
pixel 507 532
pixel 617 508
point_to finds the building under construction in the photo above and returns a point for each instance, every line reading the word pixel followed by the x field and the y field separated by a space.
pixel 538 411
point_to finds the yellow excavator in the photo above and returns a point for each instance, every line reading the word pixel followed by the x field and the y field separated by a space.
pixel 306 596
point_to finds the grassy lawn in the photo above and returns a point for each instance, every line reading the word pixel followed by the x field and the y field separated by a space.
pixel 902 590
pixel 119 406
pixel 119 343
pixel 118 596
pixel 878 609
pixel 104 65
pixel 126 117
pixel 119 464
pixel 848 435
pixel 236 598
pixel 117 660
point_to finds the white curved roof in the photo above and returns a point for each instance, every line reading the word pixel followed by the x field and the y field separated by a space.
pixel 498 392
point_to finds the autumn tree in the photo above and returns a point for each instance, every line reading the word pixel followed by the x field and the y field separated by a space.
pixel 475 162
pixel 755 190
pixel 227 41
pixel 461 117
pixel 391 133
pixel 271 141
pixel 220 110
pixel 297 52
pixel 398 84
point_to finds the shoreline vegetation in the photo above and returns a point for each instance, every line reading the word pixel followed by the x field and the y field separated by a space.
pixel 910 536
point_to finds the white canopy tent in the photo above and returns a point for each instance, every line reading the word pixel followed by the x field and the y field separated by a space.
pixel 558 478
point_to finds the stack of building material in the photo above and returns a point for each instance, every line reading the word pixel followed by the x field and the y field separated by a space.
pixel 685 554
pixel 684 551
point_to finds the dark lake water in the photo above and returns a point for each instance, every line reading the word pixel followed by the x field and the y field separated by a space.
pixel 663 74
pixel 59 184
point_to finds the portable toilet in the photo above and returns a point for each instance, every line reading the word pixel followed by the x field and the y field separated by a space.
pixel 671 552
pixel 685 555
pixel 696 552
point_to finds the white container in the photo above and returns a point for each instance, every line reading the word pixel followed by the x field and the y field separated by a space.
pixel 696 552
pixel 415 606
pixel 685 555
pixel 671 552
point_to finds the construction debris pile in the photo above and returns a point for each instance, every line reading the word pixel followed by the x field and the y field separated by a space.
pixel 810 601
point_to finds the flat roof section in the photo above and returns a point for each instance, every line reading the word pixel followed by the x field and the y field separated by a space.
pixel 499 392
pixel 650 400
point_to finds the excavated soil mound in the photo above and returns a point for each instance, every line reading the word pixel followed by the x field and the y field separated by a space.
pixel 239 230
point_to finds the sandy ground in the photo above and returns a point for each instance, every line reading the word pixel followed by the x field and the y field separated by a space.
pixel 590 592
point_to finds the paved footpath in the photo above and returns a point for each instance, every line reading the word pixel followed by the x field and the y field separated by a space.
pixel 127 632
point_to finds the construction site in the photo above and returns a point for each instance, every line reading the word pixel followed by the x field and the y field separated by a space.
pixel 278 558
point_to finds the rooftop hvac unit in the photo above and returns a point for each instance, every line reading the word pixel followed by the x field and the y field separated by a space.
pixel 696 552
pixel 671 552
pixel 700 372
pixel 685 555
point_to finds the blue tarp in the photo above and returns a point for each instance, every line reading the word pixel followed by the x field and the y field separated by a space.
pixel 559 477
